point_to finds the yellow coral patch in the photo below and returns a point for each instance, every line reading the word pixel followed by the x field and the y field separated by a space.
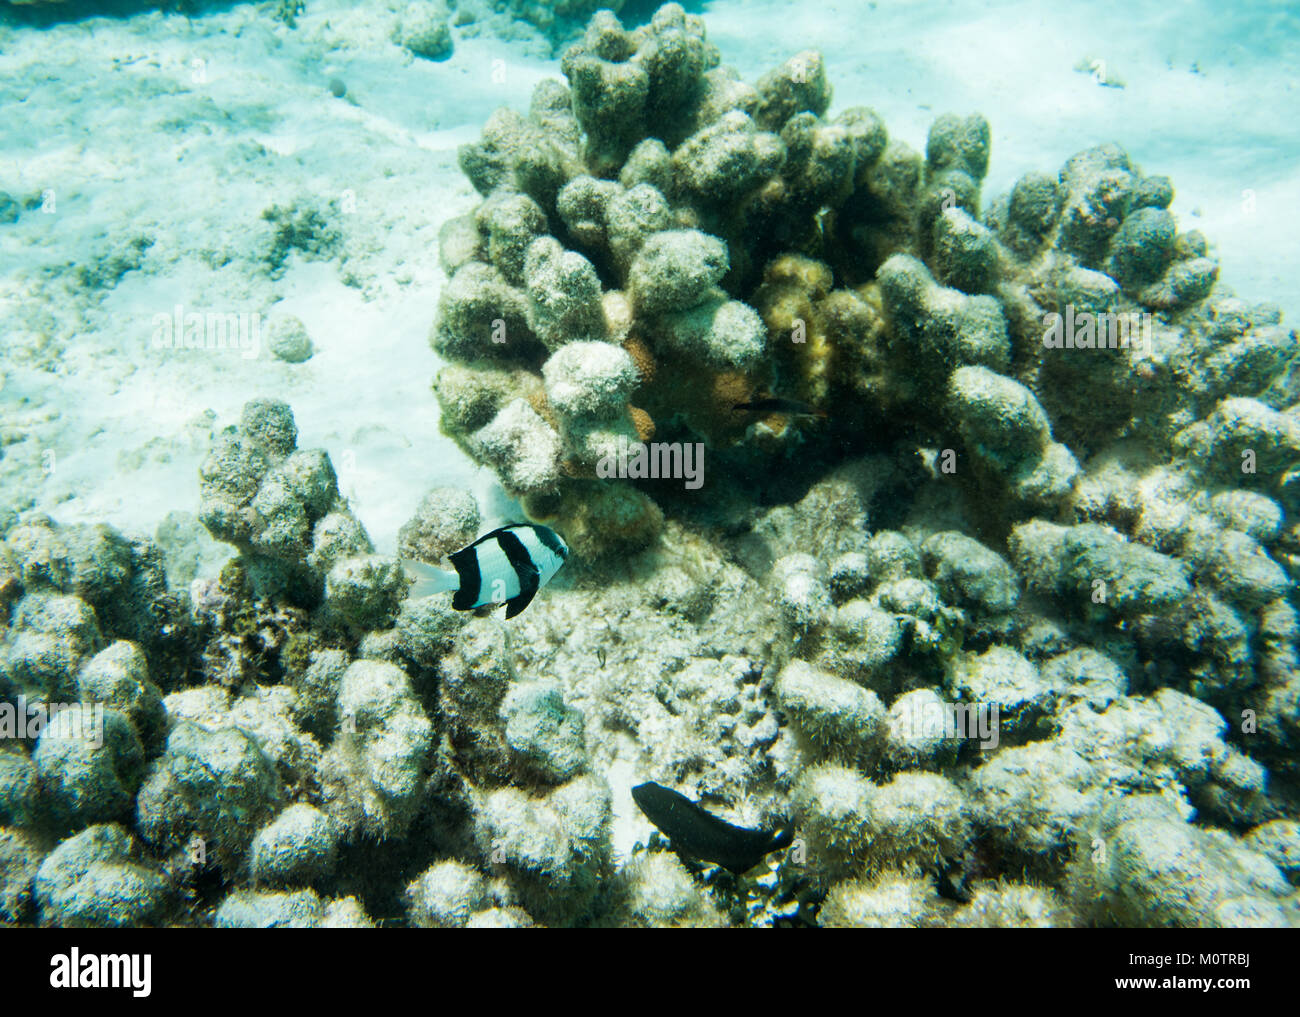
pixel 645 426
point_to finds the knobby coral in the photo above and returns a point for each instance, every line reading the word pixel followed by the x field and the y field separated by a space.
pixel 1034 465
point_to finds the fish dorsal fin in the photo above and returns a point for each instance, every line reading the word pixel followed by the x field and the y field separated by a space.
pixel 490 535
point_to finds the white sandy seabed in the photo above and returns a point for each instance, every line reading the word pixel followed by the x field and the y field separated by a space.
pixel 183 131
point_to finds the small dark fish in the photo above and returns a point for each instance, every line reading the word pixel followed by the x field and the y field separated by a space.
pixel 775 404
pixel 703 835
pixel 951 882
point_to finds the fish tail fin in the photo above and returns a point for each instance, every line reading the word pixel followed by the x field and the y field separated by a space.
pixel 429 579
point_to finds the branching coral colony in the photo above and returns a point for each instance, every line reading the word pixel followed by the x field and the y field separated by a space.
pixel 1084 545
pixel 660 241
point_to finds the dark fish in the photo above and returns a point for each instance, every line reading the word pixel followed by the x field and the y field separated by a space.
pixel 701 834
pixel 775 404
pixel 950 882
pixel 507 566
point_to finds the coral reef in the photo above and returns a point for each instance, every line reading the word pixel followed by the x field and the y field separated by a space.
pixel 542 24
pixel 278 504
pixel 93 880
pixel 422 30
pixel 997 609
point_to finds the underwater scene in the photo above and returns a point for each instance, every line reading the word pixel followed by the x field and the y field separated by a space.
pixel 740 463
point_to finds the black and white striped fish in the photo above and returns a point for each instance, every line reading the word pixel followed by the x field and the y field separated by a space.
pixel 507 566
